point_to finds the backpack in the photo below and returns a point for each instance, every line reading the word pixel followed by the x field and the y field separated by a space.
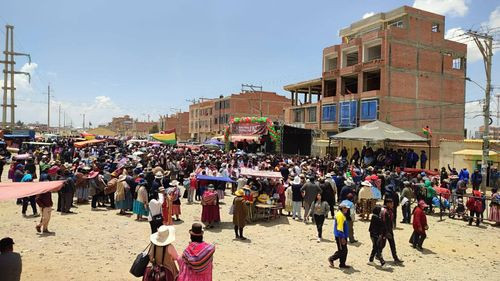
pixel 157 272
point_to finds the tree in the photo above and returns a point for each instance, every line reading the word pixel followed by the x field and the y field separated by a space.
pixel 154 129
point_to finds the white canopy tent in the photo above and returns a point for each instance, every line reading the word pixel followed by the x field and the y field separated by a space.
pixel 378 131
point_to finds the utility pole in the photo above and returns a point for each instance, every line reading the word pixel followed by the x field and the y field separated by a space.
pixel 84 121
pixel 59 121
pixel 484 42
pixel 9 61
pixel 245 87
pixel 48 108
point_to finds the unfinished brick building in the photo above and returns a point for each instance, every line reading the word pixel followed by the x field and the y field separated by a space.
pixel 395 67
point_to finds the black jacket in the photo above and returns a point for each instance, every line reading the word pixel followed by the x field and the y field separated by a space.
pixel 377 226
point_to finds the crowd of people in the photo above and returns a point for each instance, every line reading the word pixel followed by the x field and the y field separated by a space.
pixel 150 181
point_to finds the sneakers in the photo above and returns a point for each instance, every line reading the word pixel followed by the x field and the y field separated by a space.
pixel 319 240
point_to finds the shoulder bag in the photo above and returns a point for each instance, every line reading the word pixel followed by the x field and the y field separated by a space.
pixel 140 263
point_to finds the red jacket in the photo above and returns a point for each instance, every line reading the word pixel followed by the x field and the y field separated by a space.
pixel 419 220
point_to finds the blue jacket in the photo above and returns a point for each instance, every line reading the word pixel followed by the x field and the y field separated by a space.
pixel 476 178
pixel 464 175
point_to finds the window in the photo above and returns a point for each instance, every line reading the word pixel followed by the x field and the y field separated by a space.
pixel 348 114
pixel 298 115
pixel 217 106
pixel 369 110
pixel 226 104
pixel 435 27
pixel 311 114
pixel 330 64
pixel 397 23
pixel 457 63
pixel 329 113
pixel 374 53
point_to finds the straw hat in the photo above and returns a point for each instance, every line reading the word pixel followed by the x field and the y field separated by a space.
pixel 164 236
pixel 174 183
pixel 211 186
pixel 296 180
pixel 161 189
pixel 239 192
pixel 158 175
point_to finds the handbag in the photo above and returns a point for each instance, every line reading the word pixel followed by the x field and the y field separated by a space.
pixel 140 263
pixel 185 195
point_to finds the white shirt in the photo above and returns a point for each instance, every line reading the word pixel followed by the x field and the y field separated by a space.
pixel 155 207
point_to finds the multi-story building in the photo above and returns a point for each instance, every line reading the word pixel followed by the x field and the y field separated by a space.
pixel 121 125
pixel 494 132
pixel 178 121
pixel 395 67
pixel 209 118
pixel 142 128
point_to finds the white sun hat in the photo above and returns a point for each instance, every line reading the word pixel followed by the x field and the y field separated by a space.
pixel 164 236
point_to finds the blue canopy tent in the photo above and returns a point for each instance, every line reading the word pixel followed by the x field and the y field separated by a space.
pixel 211 178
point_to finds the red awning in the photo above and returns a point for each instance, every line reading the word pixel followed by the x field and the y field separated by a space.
pixel 14 190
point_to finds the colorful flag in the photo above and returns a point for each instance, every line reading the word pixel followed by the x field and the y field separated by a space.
pixel 427 131
pixel 165 138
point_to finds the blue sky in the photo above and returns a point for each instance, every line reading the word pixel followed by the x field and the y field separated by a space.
pixel 106 58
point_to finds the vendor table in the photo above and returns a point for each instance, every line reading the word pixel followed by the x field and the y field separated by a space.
pixel 267 211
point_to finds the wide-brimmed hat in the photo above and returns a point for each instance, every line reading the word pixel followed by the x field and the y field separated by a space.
pixel 328 176
pixel 366 183
pixel 161 189
pixel 122 177
pixel 174 183
pixel 164 236
pixel 196 229
pixel 159 175
pixel 211 186
pixel 296 180
pixel 348 182
pixel 239 192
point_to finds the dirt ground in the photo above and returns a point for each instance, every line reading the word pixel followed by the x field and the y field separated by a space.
pixel 100 245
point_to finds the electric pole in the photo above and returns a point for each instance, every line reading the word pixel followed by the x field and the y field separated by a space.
pixel 9 63
pixel 83 122
pixel 59 120
pixel 484 42
pixel 48 108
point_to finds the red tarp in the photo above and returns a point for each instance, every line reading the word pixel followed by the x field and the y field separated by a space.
pixel 14 190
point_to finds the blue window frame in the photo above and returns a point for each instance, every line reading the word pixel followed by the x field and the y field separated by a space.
pixel 369 110
pixel 348 114
pixel 329 113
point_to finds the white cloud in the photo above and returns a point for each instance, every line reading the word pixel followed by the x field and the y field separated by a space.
pixel 473 53
pixel 494 18
pixel 456 34
pixel 443 7
pixel 369 14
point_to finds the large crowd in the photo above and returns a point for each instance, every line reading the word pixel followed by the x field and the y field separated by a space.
pixel 151 181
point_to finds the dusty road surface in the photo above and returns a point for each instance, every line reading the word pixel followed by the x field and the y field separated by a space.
pixel 100 245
